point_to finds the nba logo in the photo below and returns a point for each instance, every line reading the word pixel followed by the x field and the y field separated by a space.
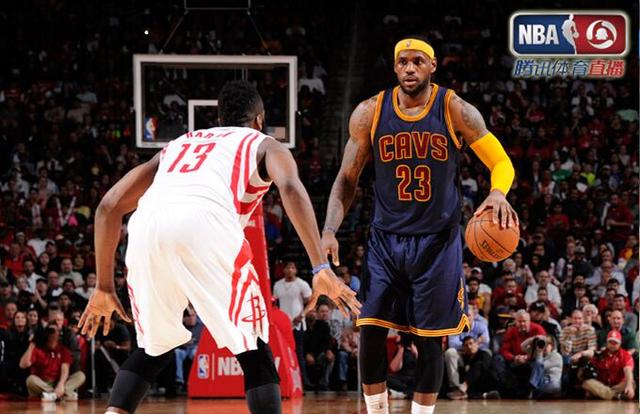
pixel 203 366
pixel 569 33
pixel 150 128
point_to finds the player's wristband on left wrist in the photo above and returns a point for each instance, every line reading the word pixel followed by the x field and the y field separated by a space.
pixel 320 267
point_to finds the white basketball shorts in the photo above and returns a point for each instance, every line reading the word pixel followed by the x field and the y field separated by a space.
pixel 179 254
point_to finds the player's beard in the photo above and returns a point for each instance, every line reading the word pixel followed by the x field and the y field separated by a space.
pixel 421 87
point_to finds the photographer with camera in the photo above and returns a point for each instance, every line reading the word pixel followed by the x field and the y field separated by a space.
pixel 546 366
pixel 513 362
pixel 612 371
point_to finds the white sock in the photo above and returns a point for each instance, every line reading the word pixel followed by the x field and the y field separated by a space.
pixel 421 409
pixel 377 403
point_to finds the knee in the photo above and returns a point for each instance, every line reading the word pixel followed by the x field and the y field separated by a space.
pixel 258 367
pixel 451 354
pixel 31 380
pixel 430 349
pixel 310 360
pixel 330 356
pixel 79 376
pixel 373 354
pixel 500 361
pixel 430 365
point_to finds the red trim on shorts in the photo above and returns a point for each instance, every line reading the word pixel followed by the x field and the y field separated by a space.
pixel 251 277
pixel 244 256
pixel 134 307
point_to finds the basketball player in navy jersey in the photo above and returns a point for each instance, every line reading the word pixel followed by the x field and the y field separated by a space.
pixel 413 281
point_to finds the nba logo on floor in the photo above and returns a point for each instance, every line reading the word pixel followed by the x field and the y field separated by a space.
pixel 203 366
pixel 569 33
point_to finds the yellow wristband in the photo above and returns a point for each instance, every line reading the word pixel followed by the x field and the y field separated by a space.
pixel 492 154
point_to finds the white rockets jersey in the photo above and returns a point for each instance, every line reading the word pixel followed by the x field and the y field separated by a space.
pixel 215 168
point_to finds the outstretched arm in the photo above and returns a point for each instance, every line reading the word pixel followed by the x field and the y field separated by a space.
pixel 468 122
pixel 356 154
pixel 282 169
pixel 121 199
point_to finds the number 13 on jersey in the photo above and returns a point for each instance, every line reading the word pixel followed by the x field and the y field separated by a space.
pixel 421 174
pixel 194 158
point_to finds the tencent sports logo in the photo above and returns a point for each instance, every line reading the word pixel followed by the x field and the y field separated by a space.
pixel 569 33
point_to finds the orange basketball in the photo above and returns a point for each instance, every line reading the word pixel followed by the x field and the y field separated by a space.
pixel 487 241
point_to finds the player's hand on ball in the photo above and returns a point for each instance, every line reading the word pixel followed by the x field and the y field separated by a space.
pixel 325 282
pixel 330 246
pixel 101 305
pixel 503 213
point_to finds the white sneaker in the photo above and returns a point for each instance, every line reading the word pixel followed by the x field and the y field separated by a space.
pixel 71 397
pixel 396 395
pixel 48 396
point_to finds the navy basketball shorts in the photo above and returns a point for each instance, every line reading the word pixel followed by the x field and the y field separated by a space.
pixel 415 283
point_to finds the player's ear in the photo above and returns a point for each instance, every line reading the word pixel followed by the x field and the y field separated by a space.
pixel 259 121
pixel 434 65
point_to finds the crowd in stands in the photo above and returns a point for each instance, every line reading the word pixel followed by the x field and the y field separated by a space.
pixel 558 318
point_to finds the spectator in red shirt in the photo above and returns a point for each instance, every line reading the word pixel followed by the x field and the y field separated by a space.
pixel 557 224
pixel 516 334
pixel 15 259
pixel 618 221
pixel 509 289
pixel 614 369
pixel 9 311
pixel 49 365
pixel 513 361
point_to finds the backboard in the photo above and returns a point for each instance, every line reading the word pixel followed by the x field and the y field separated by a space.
pixel 174 94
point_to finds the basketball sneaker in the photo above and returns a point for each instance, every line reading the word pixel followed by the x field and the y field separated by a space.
pixel 73 396
pixel 48 396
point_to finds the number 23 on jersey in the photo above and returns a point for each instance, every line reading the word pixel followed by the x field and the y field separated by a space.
pixel 421 175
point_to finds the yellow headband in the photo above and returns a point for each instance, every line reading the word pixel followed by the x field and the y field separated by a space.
pixel 414 44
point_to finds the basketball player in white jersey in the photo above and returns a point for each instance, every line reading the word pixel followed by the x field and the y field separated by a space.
pixel 186 244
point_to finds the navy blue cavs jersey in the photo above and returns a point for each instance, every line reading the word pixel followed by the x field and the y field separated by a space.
pixel 416 161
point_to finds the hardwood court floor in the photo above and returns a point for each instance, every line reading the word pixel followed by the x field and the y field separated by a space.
pixel 328 404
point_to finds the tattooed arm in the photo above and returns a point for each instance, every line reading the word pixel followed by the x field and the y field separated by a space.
pixel 467 120
pixel 468 123
pixel 356 154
